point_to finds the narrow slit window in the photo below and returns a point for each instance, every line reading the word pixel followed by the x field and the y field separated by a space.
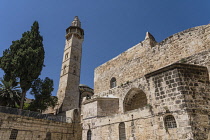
pixel 122 135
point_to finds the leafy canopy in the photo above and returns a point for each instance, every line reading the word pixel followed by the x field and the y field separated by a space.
pixel 24 59
pixel 9 94
pixel 42 91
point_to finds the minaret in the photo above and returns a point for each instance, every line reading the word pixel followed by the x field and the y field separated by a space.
pixel 68 91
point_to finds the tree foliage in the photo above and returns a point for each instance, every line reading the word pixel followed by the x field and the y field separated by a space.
pixel 24 59
pixel 42 91
pixel 9 94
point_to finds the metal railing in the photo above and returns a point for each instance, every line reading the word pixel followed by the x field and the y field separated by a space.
pixel 37 115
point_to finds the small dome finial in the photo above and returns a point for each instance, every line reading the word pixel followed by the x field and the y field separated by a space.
pixel 76 22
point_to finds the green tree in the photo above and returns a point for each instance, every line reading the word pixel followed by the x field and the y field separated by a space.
pixel 42 91
pixel 24 59
pixel 9 94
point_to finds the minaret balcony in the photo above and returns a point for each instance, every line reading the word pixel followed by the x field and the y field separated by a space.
pixel 75 30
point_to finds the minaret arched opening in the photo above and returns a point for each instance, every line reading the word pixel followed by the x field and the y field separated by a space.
pixel 66 55
pixel 64 69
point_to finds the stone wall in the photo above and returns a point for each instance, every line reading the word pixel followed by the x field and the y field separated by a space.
pixel 196 98
pixel 185 89
pixel 107 127
pixel 100 107
pixel 140 124
pixel 37 129
pixel 201 59
pixel 148 56
pixel 180 90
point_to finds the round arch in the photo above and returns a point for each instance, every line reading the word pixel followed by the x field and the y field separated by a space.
pixel 134 99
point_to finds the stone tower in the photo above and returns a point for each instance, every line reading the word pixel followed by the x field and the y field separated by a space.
pixel 68 92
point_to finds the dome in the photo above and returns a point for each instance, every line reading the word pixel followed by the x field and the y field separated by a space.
pixel 82 85
pixel 85 88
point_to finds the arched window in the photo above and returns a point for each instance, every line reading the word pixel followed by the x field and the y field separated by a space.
pixel 13 134
pixel 134 99
pixel 75 58
pixel 113 82
pixel 64 69
pixel 122 135
pixel 66 56
pixel 170 121
pixel 74 72
pixel 89 135
pixel 48 136
pixel 74 69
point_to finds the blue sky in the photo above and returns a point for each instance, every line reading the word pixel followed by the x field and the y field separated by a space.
pixel 111 26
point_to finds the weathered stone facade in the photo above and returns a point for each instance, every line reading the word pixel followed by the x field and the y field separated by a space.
pixel 153 91
pixel 28 128
pixel 180 90
pixel 148 56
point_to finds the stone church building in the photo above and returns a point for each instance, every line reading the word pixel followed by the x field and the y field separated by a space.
pixel 152 91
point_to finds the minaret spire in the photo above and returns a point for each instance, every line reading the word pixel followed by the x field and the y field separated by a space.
pixel 68 91
pixel 76 22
